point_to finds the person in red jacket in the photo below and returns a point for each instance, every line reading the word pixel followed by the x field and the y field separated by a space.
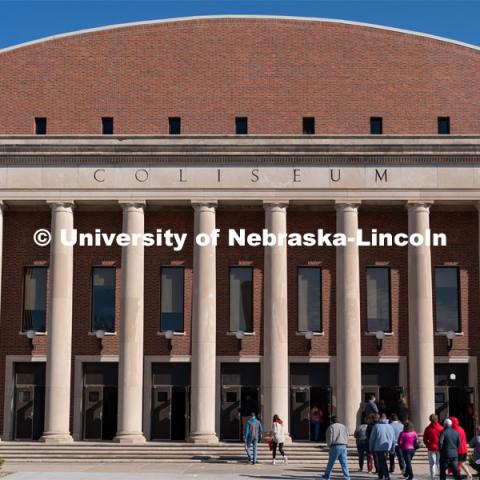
pixel 463 449
pixel 431 438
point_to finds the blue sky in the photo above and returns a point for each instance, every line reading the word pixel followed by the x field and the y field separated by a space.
pixel 22 21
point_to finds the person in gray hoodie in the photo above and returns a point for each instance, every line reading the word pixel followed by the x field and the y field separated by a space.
pixel 382 443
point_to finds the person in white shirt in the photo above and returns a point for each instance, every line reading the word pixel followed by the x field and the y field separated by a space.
pixel 278 438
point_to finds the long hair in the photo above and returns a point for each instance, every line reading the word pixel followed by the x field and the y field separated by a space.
pixel 276 418
pixel 409 426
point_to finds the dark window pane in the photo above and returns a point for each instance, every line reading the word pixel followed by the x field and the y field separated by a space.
pixel 103 299
pixel 107 125
pixel 231 397
pixel 308 125
pixel 300 397
pixel 309 299
pixel 376 125
pixel 446 299
pixel 241 299
pixel 162 397
pixel 93 397
pixel 35 299
pixel 241 125
pixel 40 126
pixel 172 299
pixel 443 125
pixel 378 299
pixel 174 125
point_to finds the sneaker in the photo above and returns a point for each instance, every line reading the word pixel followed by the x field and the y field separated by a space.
pixel 273 462
pixel 285 459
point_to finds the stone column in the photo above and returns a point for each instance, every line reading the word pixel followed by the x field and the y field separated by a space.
pixel 275 356
pixel 420 320
pixel 204 319
pixel 59 327
pixel 130 374
pixel 349 355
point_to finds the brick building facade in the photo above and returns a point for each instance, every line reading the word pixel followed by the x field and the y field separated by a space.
pixel 237 122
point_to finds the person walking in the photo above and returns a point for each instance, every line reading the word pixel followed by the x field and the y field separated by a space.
pixel 475 444
pixel 253 434
pixel 463 449
pixel 337 441
pixel 398 429
pixel 372 420
pixel 362 444
pixel 408 444
pixel 278 438
pixel 431 438
pixel 371 406
pixel 316 418
pixel 449 444
pixel 402 409
pixel 382 442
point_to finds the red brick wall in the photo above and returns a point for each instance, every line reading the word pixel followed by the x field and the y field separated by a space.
pixel 274 71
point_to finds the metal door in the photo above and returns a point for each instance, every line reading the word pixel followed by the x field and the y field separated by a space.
pixel 441 402
pixel 93 413
pixel 300 423
pixel 230 424
pixel 24 412
pixel 161 412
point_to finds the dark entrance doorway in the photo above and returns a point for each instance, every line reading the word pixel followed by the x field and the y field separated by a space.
pixel 29 401
pixel 239 398
pixel 382 380
pixel 453 396
pixel 310 401
pixel 170 401
pixel 100 397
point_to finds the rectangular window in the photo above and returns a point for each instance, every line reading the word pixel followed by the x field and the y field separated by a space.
pixel 376 125
pixel 447 305
pixel 34 299
pixel 103 298
pixel 443 125
pixel 308 125
pixel 378 299
pixel 40 125
pixel 174 125
pixel 107 125
pixel 309 299
pixel 241 299
pixel 172 299
pixel 241 125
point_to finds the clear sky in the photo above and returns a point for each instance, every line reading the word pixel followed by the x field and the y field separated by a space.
pixel 22 21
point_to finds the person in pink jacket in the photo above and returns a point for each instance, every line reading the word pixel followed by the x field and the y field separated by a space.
pixel 408 444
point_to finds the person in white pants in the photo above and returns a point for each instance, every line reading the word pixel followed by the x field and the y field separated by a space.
pixel 431 437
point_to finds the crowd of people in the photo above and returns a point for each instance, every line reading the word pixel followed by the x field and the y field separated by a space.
pixel 382 443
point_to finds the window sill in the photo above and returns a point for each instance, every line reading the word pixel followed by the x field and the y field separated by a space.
pixel 444 334
pixel 373 334
pixel 106 334
pixel 315 334
pixel 175 334
pixel 245 334
pixel 37 334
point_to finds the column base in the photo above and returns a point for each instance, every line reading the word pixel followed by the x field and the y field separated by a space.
pixel 207 438
pixel 56 438
pixel 129 438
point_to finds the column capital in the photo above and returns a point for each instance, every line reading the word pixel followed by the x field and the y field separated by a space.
pixel 347 204
pixel 126 204
pixel 419 204
pixel 61 204
pixel 204 204
pixel 275 205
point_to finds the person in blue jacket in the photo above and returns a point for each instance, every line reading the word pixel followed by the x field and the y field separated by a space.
pixel 253 434
pixel 382 443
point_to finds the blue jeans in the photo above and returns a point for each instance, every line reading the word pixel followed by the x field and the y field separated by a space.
pixel 316 430
pixel 254 442
pixel 340 452
pixel 408 457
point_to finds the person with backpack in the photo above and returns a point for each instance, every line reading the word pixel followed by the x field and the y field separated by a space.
pixel 278 438
pixel 362 444
pixel 253 434
pixel 449 444
pixel 431 439
pixel 408 444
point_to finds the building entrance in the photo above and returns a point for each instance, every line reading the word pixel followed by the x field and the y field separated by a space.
pixel 382 380
pixel 170 418
pixel 100 396
pixel 29 401
pixel 310 401
pixel 239 398
pixel 453 396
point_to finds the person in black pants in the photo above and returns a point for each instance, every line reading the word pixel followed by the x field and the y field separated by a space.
pixel 449 444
